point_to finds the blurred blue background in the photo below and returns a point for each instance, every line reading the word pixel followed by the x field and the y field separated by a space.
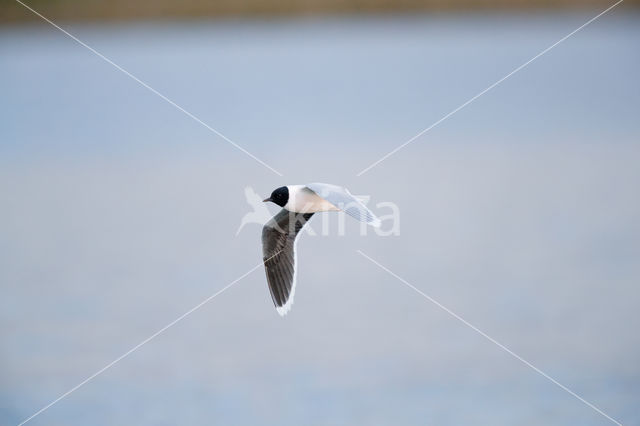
pixel 520 213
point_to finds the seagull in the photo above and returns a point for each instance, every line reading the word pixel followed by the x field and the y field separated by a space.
pixel 299 203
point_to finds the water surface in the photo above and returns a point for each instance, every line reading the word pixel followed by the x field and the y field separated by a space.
pixel 520 213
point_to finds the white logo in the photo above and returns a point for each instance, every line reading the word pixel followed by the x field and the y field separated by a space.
pixel 260 213
pixel 390 223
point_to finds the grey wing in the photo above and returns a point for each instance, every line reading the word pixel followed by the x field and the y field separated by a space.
pixel 345 201
pixel 279 256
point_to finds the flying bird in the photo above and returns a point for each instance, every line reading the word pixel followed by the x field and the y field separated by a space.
pixel 299 203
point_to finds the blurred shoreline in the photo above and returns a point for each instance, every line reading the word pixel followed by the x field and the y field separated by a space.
pixel 120 10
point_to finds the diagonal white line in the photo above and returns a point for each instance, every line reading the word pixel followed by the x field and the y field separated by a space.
pixel 139 345
pixel 486 336
pixel 488 89
pixel 154 91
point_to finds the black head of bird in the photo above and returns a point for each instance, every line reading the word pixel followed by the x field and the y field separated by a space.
pixel 279 196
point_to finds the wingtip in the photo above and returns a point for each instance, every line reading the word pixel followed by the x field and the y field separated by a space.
pixel 284 309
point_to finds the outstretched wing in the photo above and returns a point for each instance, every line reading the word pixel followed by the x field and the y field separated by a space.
pixel 342 199
pixel 279 256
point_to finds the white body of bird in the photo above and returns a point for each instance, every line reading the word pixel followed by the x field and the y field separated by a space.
pixel 304 200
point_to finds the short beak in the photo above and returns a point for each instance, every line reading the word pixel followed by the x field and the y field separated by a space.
pixel 266 200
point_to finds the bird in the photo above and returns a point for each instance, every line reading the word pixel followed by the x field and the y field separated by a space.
pixel 279 235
